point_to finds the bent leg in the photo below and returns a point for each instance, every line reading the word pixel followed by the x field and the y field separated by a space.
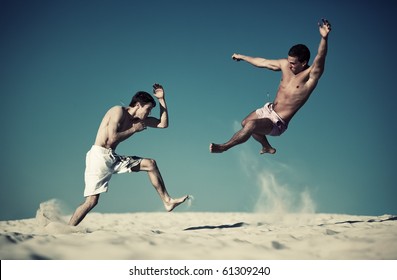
pixel 150 166
pixel 260 137
pixel 81 211
pixel 266 147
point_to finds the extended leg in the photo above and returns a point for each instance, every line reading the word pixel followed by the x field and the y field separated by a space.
pixel 251 126
pixel 239 137
pixel 155 178
pixel 83 209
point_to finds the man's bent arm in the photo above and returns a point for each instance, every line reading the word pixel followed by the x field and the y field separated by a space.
pixel 162 122
pixel 163 114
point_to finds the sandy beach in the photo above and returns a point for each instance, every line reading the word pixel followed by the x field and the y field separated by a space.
pixel 200 235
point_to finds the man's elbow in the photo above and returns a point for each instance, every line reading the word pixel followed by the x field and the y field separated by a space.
pixel 162 125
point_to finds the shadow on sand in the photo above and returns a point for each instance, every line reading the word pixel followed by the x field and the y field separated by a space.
pixel 236 225
pixel 241 224
pixel 393 218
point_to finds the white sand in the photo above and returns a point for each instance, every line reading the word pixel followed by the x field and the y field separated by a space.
pixel 200 235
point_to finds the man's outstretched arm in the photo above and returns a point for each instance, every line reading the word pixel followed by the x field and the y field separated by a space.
pixel 319 60
pixel 270 64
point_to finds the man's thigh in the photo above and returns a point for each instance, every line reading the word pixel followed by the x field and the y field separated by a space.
pixel 263 126
pixel 252 116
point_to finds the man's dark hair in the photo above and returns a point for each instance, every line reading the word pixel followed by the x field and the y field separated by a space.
pixel 143 98
pixel 301 52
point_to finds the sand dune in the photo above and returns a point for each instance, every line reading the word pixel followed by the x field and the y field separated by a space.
pixel 200 235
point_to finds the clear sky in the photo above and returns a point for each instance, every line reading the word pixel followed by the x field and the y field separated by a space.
pixel 64 63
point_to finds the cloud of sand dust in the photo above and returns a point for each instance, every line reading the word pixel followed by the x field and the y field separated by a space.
pixel 279 198
pixel 50 218
pixel 275 197
pixel 49 211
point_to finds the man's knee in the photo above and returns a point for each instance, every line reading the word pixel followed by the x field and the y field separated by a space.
pixel 150 164
pixel 251 117
pixel 249 125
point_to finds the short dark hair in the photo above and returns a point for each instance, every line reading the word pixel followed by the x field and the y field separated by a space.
pixel 142 97
pixel 301 52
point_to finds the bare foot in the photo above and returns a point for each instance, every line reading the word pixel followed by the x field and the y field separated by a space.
pixel 215 148
pixel 267 150
pixel 174 202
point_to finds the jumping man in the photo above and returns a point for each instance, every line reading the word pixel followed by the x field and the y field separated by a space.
pixel 298 80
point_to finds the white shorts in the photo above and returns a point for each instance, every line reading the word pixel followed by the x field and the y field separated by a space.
pixel 101 164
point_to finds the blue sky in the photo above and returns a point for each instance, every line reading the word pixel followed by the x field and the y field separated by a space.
pixel 64 63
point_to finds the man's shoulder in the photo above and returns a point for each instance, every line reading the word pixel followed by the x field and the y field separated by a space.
pixel 284 64
pixel 116 109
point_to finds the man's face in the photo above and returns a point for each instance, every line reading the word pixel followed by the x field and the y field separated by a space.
pixel 295 66
pixel 144 110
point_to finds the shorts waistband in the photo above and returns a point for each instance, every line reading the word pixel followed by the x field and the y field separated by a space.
pixel 102 150
pixel 270 106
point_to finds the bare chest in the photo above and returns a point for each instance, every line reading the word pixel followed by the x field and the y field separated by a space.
pixel 294 83
pixel 293 92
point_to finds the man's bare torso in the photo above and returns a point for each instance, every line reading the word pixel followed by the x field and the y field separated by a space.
pixel 116 120
pixel 293 92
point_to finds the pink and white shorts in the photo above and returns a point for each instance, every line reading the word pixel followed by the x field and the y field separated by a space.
pixel 279 125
